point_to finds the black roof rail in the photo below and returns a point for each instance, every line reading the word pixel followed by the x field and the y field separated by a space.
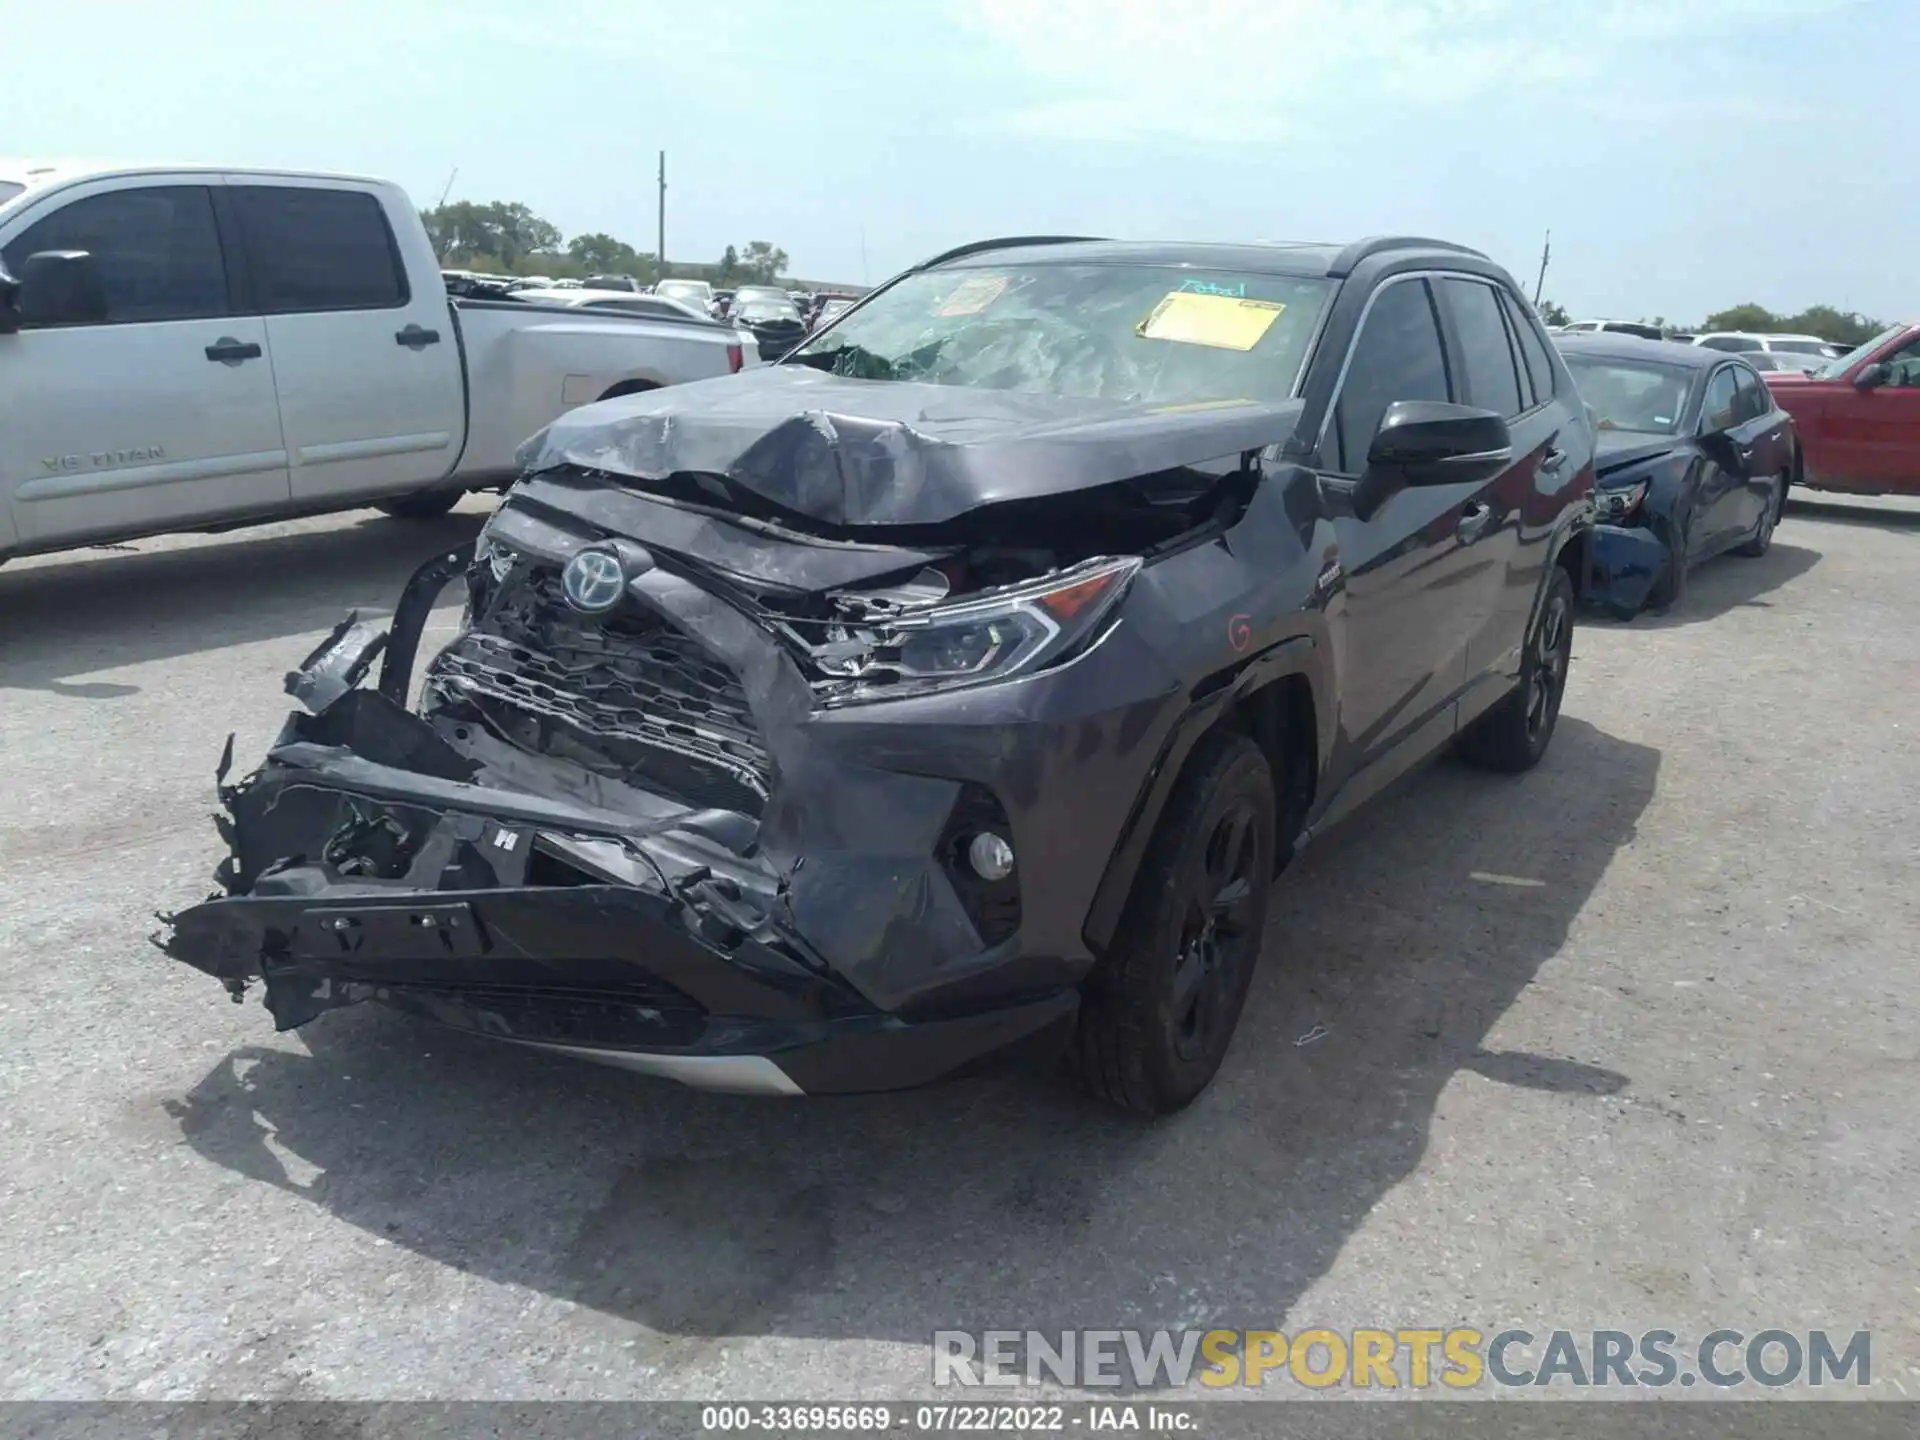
pixel 1350 256
pixel 1008 242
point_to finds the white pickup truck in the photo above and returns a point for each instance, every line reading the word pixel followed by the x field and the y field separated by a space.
pixel 196 349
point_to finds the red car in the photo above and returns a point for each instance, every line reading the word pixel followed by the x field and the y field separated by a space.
pixel 1859 416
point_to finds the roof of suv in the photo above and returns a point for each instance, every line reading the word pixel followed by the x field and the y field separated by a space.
pixel 1267 256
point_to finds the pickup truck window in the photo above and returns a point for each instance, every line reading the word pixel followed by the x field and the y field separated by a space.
pixel 1397 357
pixel 312 249
pixel 156 248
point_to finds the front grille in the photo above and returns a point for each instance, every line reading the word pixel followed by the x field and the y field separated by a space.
pixel 627 694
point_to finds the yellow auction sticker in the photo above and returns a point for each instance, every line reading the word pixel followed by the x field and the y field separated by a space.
pixel 1222 321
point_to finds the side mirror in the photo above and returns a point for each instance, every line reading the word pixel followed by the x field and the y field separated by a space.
pixel 1725 451
pixel 9 302
pixel 61 287
pixel 1430 442
pixel 1871 377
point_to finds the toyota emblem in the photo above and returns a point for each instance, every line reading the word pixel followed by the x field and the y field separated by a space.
pixel 594 581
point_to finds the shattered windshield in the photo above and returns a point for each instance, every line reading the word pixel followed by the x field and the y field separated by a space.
pixel 1096 332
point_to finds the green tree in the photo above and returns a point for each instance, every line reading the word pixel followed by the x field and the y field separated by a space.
pixel 506 231
pixel 729 263
pixel 603 254
pixel 1742 317
pixel 1842 327
pixel 762 262
pixel 1552 314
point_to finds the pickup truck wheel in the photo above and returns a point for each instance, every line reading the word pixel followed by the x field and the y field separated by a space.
pixel 1157 1016
pixel 426 505
pixel 1762 540
pixel 1513 735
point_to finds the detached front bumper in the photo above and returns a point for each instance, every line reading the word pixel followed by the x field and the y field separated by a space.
pixel 1625 563
pixel 608 973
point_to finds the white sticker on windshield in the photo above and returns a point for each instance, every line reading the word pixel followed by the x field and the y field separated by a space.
pixel 973 295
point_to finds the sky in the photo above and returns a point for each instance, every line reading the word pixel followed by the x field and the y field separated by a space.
pixel 1686 155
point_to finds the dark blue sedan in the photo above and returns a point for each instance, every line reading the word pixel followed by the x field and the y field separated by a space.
pixel 1694 459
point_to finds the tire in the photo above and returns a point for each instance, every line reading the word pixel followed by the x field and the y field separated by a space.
pixel 1158 1014
pixel 1762 540
pixel 426 505
pixel 1513 735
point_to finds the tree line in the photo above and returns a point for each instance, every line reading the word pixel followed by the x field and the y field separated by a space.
pixel 1841 327
pixel 505 237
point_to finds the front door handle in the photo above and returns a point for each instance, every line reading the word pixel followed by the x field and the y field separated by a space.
pixel 1551 462
pixel 229 351
pixel 1473 521
pixel 415 338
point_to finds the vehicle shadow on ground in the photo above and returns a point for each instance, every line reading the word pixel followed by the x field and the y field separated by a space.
pixel 1859 512
pixel 1725 583
pixel 1397 943
pixel 104 609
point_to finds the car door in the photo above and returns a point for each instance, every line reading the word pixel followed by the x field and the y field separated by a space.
pixel 369 380
pixel 155 411
pixel 1401 641
pixel 1497 569
pixel 1764 437
pixel 1886 420
pixel 1718 500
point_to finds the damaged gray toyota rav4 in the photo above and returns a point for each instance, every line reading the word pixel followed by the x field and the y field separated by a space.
pixel 949 692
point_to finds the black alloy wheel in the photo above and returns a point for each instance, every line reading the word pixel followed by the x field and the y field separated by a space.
pixel 1158 1013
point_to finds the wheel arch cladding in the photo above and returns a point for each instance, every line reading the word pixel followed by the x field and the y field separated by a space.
pixel 1279 710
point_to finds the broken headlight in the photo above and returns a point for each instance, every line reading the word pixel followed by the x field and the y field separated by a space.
pixel 982 639
pixel 497 557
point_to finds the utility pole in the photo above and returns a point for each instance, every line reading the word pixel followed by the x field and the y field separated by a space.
pixel 660 261
pixel 450 179
pixel 1545 251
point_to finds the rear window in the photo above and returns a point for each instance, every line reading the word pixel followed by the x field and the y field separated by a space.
pixel 1095 332
pixel 311 249
pixel 1798 347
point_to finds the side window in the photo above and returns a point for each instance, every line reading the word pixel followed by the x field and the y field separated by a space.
pixel 313 249
pixel 1903 365
pixel 1533 347
pixel 156 249
pixel 1398 357
pixel 1492 381
pixel 1717 410
pixel 1750 399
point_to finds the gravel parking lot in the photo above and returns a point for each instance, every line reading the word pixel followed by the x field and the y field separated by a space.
pixel 1627 1042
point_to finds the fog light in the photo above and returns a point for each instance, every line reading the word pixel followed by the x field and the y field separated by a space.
pixel 990 856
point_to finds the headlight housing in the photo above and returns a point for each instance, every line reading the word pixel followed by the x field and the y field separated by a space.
pixel 1619 502
pixel 983 639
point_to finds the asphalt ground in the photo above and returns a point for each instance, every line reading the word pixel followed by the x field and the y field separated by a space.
pixel 1627 1042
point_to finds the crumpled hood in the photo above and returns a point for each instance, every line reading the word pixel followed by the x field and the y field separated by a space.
pixel 867 452
pixel 1616 450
